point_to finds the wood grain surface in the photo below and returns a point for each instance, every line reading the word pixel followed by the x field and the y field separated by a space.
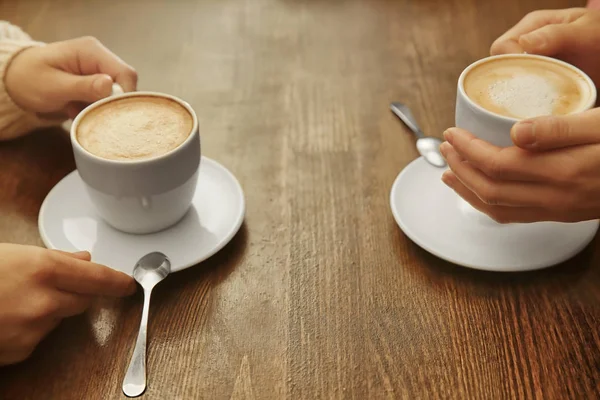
pixel 320 295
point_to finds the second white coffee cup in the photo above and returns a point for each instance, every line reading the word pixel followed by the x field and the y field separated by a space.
pixel 495 128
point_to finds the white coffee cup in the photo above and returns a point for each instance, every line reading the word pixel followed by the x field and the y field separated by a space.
pixel 495 128
pixel 146 195
pixel 491 127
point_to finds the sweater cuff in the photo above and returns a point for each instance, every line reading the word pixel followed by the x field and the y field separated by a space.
pixel 14 121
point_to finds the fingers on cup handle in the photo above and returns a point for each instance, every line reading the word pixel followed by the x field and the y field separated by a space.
pixel 506 46
pixel 510 41
pixel 117 89
pixel 126 79
pixel 96 58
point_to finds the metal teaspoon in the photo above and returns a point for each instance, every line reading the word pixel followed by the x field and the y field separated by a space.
pixel 429 147
pixel 148 272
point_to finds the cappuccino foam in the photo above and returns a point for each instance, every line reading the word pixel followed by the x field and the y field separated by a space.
pixel 134 128
pixel 521 87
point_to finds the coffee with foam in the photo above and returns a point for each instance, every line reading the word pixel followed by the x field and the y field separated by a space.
pixel 134 128
pixel 522 87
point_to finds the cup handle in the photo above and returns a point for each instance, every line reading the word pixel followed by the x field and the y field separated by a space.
pixel 117 89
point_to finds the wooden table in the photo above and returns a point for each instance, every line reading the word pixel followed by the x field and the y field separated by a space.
pixel 320 295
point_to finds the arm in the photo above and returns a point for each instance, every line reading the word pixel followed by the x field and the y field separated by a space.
pixel 14 121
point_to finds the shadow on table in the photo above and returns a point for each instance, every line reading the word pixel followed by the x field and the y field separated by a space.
pixel 191 288
pixel 562 275
pixel 557 278
pixel 29 168
pixel 215 269
pixel 39 160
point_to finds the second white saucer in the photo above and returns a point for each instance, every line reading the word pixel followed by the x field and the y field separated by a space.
pixel 439 221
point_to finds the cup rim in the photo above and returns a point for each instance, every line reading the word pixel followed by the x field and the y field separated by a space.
pixel 463 93
pixel 89 108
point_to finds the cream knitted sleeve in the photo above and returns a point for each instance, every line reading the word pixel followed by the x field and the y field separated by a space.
pixel 14 121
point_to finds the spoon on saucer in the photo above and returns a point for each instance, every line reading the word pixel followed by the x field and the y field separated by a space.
pixel 429 147
pixel 148 271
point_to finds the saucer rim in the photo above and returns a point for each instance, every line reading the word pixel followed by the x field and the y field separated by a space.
pixel 220 245
pixel 502 269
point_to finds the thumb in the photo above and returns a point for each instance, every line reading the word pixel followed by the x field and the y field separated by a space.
pixel 552 132
pixel 550 39
pixel 85 88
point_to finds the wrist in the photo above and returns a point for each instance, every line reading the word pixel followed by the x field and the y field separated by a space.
pixel 10 79
pixel 16 120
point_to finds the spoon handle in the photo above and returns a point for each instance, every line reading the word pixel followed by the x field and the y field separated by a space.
pixel 134 383
pixel 406 116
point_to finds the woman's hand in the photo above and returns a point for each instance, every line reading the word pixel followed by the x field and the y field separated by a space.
pixel 39 287
pixel 551 174
pixel 572 35
pixel 62 78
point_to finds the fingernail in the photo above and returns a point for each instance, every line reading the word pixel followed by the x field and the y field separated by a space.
pixel 446 178
pixel 524 134
pixel 444 147
pixel 448 135
pixel 82 254
pixel 533 40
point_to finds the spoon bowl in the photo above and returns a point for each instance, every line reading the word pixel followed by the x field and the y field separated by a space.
pixel 151 269
pixel 428 147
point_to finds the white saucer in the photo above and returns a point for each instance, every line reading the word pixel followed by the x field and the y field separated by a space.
pixel 439 221
pixel 68 221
